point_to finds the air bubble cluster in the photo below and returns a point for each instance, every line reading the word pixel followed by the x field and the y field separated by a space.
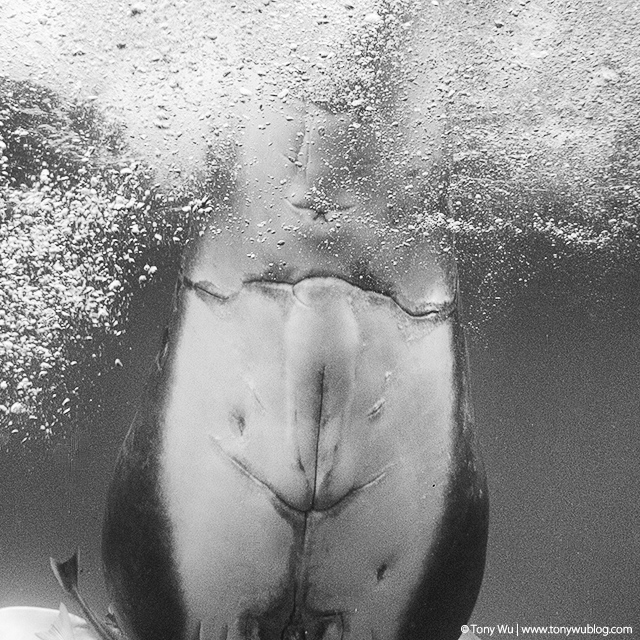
pixel 79 232
pixel 517 127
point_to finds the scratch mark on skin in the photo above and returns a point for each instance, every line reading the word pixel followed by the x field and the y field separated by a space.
pixel 164 350
pixel 381 572
pixel 252 388
pixel 205 287
pixel 376 409
pixel 239 421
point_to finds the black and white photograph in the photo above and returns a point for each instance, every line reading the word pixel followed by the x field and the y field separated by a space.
pixel 319 319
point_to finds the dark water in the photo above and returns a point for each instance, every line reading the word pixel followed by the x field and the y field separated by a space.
pixel 52 504
pixel 556 382
pixel 557 399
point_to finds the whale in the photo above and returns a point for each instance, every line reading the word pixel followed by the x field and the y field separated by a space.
pixel 304 464
pixel 155 548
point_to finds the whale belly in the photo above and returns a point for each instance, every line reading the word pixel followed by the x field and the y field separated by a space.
pixel 308 447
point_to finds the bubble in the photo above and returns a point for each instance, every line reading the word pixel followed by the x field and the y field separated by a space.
pixel 76 231
pixel 539 150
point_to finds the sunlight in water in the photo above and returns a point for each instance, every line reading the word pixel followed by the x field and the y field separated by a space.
pixel 520 141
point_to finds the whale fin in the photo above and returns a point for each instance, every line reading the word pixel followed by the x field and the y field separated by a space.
pixel 61 629
pixel 66 574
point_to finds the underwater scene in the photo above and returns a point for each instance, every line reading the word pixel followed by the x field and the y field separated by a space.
pixel 319 319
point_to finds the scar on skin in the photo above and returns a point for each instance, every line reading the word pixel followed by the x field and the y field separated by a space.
pixel 376 410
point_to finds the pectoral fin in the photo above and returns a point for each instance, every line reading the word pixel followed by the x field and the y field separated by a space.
pixel 61 629
pixel 66 574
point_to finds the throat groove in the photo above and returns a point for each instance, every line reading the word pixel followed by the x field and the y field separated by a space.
pixel 295 627
pixel 318 436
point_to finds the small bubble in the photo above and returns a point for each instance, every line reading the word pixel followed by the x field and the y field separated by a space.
pixel 18 408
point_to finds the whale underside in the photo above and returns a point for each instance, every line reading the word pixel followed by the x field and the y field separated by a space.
pixel 303 467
